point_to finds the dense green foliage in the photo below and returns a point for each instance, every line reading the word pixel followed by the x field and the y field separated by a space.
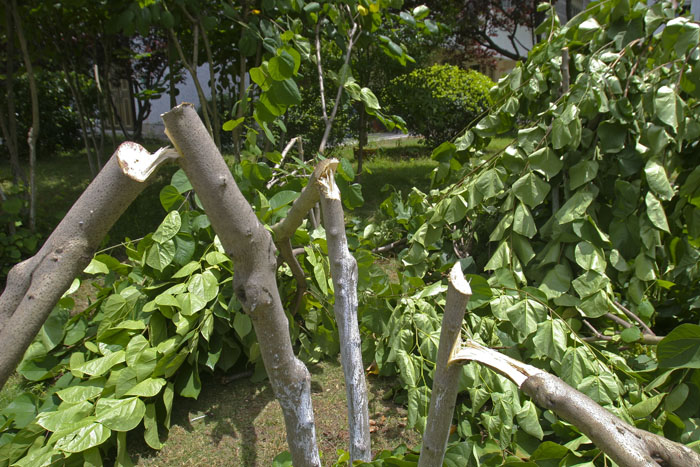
pixel 440 101
pixel 593 206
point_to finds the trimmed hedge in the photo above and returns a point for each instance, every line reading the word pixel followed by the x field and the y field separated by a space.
pixel 438 102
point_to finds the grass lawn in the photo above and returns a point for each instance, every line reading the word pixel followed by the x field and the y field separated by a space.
pixel 241 423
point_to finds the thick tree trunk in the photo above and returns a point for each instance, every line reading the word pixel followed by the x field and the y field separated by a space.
pixel 344 274
pixel 250 247
pixel 35 285
pixel 626 445
pixel 446 379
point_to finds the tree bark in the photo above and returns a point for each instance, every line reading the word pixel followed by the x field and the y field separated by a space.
pixel 626 445
pixel 34 130
pixel 252 251
pixel 34 286
pixel 446 379
pixel 344 274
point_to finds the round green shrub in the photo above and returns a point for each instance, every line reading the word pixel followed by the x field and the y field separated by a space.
pixel 438 102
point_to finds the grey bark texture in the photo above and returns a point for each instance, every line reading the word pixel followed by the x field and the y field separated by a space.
pixel 34 286
pixel 626 445
pixel 252 251
pixel 343 268
pixel 446 379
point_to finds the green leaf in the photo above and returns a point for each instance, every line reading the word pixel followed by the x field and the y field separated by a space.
pixel 657 180
pixel 168 228
pixel 556 282
pixel 86 390
pixel 147 388
pixel 550 339
pixel 645 408
pixel 523 222
pixel 595 305
pixel 150 422
pixel 369 99
pixel 282 460
pixel 529 421
pixel 285 92
pixel 281 67
pixel 680 348
pixel 525 314
pixel 283 198
pixel 86 434
pixel 589 257
pixel 665 106
pixel 230 125
pixel 160 255
pixel 575 207
pixel 120 414
pixel 180 181
pixel 677 397
pixel 489 184
pixel 545 160
pixel 612 136
pixel 406 368
pixel 184 271
pixel 67 414
pixel 631 334
pixel 655 212
pixel 531 189
pixel 102 365
pixel 205 286
pixel 601 388
pixel 96 267
pixel 581 173
pixel 242 324
pixel 170 198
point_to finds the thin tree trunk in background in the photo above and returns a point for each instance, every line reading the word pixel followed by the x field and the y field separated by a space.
pixel 9 128
pixel 249 244
pixel 172 89
pixel 192 68
pixel 212 86
pixel 569 10
pixel 33 136
pixel 81 117
pixel 34 286
pixel 362 138
pixel 344 274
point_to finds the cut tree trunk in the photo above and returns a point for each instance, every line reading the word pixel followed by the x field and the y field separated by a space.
pixel 249 245
pixel 446 379
pixel 628 446
pixel 344 274
pixel 34 286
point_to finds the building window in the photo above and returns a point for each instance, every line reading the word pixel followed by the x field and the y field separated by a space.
pixel 507 4
pixel 124 104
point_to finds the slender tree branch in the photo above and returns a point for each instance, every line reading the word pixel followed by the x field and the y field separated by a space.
pixel 645 328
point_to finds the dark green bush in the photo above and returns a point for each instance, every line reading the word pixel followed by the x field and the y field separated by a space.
pixel 60 124
pixel 438 102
